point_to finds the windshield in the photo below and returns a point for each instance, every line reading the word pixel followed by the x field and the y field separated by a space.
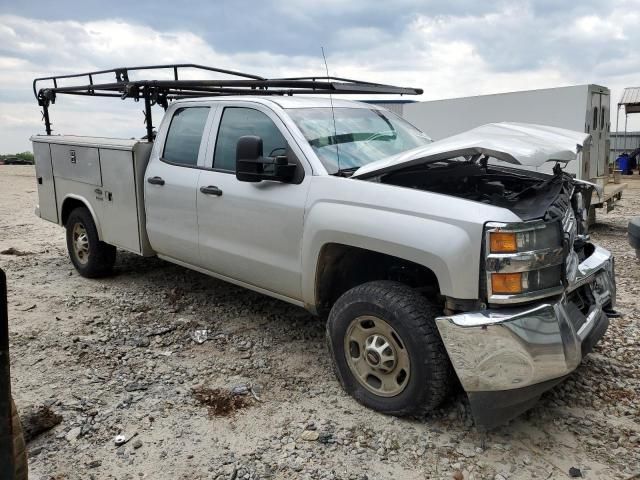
pixel 358 136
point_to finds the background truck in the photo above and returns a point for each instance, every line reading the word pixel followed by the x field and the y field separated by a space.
pixel 583 108
pixel 432 263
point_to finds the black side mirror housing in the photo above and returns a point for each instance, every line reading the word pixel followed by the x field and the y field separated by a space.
pixel 252 166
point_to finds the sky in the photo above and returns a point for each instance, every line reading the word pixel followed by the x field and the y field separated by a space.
pixel 449 48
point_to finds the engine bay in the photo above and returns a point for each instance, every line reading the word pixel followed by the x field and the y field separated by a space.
pixel 528 194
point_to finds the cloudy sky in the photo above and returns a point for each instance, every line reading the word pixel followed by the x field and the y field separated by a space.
pixel 449 48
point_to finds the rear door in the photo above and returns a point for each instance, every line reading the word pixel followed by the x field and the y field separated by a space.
pixel 598 126
pixel 171 183
pixel 603 137
pixel 251 232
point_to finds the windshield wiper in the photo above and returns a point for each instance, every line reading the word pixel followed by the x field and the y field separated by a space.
pixel 346 172
pixel 351 138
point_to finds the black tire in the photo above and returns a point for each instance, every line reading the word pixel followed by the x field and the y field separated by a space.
pixel 99 260
pixel 411 316
pixel 19 447
pixel 634 227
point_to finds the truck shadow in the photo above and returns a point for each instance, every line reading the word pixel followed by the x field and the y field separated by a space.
pixel 293 331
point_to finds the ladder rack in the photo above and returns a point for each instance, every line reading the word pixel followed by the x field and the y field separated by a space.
pixel 161 92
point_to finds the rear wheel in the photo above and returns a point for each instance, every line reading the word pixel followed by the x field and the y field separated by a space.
pixel 387 352
pixel 90 256
pixel 19 447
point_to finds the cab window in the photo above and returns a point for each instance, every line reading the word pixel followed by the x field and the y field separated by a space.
pixel 185 135
pixel 237 122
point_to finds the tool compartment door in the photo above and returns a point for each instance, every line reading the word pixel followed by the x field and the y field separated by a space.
pixel 47 204
pixel 120 214
pixel 78 163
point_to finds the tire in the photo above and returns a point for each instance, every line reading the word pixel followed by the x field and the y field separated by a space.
pixel 633 234
pixel 91 257
pixel 412 335
pixel 634 227
pixel 19 447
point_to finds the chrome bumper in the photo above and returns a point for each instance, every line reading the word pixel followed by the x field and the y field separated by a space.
pixel 509 349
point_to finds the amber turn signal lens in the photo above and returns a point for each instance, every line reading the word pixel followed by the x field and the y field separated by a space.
pixel 503 242
pixel 506 283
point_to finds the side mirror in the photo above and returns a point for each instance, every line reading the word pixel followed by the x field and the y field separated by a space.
pixel 251 166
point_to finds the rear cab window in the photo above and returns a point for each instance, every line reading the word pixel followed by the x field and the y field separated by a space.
pixel 185 136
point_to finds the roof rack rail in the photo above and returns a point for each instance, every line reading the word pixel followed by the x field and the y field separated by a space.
pixel 161 92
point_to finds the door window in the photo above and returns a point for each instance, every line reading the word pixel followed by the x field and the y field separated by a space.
pixel 185 135
pixel 237 122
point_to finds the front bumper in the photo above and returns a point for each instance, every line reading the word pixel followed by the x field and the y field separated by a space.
pixel 506 358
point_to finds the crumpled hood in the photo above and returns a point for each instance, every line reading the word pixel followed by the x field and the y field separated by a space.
pixel 518 143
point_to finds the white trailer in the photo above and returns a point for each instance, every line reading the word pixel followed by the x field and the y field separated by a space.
pixel 584 108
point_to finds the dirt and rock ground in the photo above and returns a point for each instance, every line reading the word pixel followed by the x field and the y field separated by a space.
pixel 122 357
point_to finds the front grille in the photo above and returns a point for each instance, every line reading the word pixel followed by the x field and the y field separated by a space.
pixel 570 226
pixel 561 204
pixel 572 260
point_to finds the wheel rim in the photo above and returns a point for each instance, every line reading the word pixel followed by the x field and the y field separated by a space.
pixel 80 243
pixel 377 356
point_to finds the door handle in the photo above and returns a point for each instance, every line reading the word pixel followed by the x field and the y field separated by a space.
pixel 211 190
pixel 155 180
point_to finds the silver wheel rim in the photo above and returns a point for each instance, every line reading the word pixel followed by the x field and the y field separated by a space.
pixel 377 356
pixel 80 241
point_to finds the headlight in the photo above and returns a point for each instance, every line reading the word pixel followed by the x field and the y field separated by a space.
pixel 505 240
pixel 523 261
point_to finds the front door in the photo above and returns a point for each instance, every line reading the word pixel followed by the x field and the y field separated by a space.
pixel 171 183
pixel 251 232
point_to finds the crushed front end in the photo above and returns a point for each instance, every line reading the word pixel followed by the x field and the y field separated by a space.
pixel 547 293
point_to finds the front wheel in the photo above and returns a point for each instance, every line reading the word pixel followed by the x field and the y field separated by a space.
pixel 91 257
pixel 386 349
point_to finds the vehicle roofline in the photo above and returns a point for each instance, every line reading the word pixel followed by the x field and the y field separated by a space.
pixel 271 100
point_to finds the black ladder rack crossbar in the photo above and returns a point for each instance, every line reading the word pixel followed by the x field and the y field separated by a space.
pixel 161 92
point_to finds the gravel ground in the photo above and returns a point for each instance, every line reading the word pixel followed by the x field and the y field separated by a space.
pixel 119 356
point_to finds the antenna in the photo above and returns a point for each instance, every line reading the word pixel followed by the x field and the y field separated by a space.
pixel 335 130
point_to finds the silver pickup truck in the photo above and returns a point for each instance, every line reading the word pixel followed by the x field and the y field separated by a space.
pixel 435 262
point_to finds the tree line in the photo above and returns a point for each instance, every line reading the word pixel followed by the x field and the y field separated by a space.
pixel 27 156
